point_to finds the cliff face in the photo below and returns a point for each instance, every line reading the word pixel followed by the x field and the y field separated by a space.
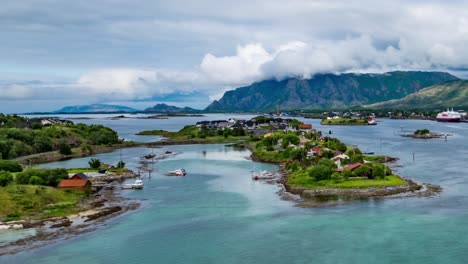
pixel 325 91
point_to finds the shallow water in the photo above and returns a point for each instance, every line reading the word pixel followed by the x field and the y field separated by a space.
pixel 216 214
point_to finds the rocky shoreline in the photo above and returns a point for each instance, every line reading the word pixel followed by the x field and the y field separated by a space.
pixel 104 205
pixel 324 197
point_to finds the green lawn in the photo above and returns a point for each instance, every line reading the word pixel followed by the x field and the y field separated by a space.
pixel 301 181
pixel 36 202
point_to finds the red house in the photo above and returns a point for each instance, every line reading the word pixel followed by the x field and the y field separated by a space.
pixel 75 184
pixel 350 167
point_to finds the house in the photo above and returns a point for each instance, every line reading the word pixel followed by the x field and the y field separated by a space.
pixel 79 176
pixel 339 158
pixel 305 127
pixel 75 184
pixel 350 167
pixel 269 134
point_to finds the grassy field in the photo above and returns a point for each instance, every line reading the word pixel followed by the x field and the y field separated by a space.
pixel 300 180
pixel 37 202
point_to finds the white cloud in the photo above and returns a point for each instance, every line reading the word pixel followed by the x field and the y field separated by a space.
pixel 209 46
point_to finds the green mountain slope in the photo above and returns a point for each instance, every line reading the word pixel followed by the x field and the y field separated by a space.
pixel 325 91
pixel 164 108
pixel 452 94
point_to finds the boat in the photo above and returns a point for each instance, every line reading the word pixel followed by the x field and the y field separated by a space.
pixel 449 116
pixel 179 172
pixel 263 175
pixel 137 184
pixel 371 121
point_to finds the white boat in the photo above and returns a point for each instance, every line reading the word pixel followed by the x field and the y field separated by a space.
pixel 263 175
pixel 371 121
pixel 179 172
pixel 137 184
pixel 449 116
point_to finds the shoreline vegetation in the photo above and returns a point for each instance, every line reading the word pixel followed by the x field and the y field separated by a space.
pixel 341 121
pixel 423 134
pixel 315 167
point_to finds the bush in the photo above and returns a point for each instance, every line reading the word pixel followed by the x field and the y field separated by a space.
pixel 49 177
pixel 121 164
pixel 64 148
pixel 11 166
pixel 95 163
pixel 5 178
pixel 35 180
pixel 321 172
pixel 363 170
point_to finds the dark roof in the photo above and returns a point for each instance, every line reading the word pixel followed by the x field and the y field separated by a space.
pixel 73 183
pixel 81 175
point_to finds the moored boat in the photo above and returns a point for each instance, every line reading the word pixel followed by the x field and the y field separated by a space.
pixel 449 116
pixel 179 172
pixel 137 184
pixel 263 175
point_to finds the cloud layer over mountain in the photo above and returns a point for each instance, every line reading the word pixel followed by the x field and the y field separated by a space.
pixel 180 50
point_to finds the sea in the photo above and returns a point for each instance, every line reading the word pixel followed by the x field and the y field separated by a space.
pixel 217 214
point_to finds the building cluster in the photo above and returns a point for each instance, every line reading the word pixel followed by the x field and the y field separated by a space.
pixel 257 127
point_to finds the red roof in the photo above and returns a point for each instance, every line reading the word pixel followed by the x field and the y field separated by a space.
pixel 353 166
pixel 73 183
pixel 305 126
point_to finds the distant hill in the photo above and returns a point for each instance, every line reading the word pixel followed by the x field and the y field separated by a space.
pixel 164 108
pixel 452 94
pixel 325 91
pixel 95 108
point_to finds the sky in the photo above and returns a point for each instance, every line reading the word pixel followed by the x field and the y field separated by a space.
pixel 56 53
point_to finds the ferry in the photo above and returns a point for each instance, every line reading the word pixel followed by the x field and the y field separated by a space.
pixel 449 116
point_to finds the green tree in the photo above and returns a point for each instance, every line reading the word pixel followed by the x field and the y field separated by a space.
pixel 95 163
pixel 5 178
pixel 11 166
pixel 64 148
pixel 121 164
pixel 35 180
pixel 321 172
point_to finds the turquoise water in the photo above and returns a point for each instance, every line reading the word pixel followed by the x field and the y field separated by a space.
pixel 216 214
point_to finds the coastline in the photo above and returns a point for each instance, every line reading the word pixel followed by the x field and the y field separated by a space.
pixel 97 210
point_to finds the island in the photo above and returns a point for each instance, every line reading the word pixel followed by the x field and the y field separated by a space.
pixel 348 121
pixel 423 134
pixel 311 165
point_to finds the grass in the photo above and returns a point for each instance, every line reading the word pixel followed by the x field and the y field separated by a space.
pixel 116 170
pixel 378 158
pixel 301 178
pixel 77 170
pixel 37 202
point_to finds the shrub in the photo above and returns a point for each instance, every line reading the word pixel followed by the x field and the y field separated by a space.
pixel 95 163
pixel 64 148
pixel 11 166
pixel 35 180
pixel 5 178
pixel 363 170
pixel 121 164
pixel 321 172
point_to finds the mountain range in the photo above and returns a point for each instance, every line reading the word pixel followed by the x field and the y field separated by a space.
pixel 164 108
pixel 451 94
pixel 326 91
pixel 95 108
